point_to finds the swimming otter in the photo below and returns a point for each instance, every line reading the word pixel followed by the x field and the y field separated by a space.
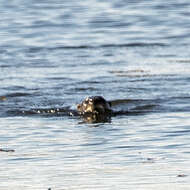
pixel 94 105
pixel 95 109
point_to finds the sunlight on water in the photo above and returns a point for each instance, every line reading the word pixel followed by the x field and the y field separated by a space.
pixel 129 149
pixel 53 54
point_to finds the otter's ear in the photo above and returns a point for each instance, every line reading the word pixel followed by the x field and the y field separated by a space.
pixel 109 104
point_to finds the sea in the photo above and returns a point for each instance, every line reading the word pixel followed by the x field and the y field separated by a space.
pixel 54 54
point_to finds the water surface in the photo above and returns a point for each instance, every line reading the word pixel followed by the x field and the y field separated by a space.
pixel 53 54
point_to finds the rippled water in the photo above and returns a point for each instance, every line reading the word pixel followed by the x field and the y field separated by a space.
pixel 53 54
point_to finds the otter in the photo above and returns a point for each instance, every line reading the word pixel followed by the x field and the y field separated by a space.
pixel 95 109
pixel 94 105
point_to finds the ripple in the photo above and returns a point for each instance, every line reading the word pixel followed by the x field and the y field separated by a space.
pixel 138 44
pixel 36 49
pixel 18 94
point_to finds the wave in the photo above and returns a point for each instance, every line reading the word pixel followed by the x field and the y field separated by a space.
pixel 135 44
pixel 18 94
pixel 119 107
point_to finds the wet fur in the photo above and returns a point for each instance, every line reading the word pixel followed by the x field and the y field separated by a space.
pixel 94 105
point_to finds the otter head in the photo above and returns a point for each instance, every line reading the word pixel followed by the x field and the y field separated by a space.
pixel 94 105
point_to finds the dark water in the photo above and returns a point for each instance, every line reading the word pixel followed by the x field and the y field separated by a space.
pixel 53 54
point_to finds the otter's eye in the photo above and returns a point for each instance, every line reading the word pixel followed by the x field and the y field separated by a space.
pixel 78 106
